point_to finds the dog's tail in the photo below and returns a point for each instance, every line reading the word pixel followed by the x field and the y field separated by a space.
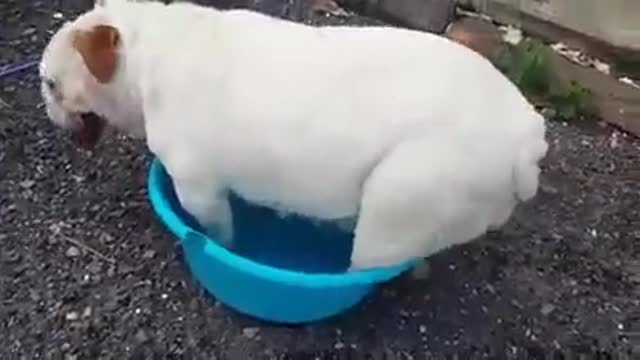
pixel 526 172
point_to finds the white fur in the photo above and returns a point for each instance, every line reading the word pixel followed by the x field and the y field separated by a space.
pixel 420 138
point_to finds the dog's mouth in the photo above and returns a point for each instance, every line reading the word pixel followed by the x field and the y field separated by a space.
pixel 89 129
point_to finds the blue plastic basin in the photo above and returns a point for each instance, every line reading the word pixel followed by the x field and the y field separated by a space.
pixel 281 270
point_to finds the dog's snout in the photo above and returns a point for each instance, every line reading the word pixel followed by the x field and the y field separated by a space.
pixel 90 129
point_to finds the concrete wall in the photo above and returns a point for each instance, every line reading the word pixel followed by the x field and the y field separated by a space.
pixel 616 22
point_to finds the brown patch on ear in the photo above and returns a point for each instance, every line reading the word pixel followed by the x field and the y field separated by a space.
pixel 98 48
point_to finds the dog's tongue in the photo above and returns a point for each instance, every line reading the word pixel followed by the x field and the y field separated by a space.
pixel 90 130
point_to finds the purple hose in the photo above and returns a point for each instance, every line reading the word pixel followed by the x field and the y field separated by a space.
pixel 11 69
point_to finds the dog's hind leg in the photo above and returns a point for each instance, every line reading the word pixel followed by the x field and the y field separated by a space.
pixel 396 203
pixel 418 200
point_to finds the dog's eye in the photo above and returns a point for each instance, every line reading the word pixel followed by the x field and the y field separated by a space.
pixel 50 84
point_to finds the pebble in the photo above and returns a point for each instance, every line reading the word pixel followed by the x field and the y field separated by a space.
pixel 250 332
pixel 87 312
pixel 27 184
pixel 72 316
pixel 338 346
pixel 34 296
pixel 141 336
pixel 547 309
pixel 72 251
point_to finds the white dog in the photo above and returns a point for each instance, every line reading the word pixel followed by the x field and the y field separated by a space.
pixel 420 138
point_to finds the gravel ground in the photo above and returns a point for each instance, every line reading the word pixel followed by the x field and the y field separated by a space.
pixel 86 271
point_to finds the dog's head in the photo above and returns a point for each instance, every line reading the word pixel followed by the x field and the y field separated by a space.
pixel 81 74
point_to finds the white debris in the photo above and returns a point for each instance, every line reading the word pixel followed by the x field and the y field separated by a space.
pixel 614 141
pixel 58 15
pixel 602 67
pixel 511 35
pixel 72 251
pixel 628 81
pixel 580 58
pixel 250 332
pixel 27 184
pixel 72 316
pixel 78 178
pixel 87 312
pixel 573 55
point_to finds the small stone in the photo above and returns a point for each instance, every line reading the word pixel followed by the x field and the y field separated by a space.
pixel 72 316
pixel 34 296
pixel 516 304
pixel 141 336
pixel 479 35
pixel 29 31
pixel 78 178
pixel 422 329
pixel 148 254
pixel 72 251
pixel 87 312
pixel 250 332
pixel 106 238
pixel 58 15
pixel 27 184
pixel 339 345
pixel 547 309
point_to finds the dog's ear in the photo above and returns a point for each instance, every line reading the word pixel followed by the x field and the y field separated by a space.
pixel 99 50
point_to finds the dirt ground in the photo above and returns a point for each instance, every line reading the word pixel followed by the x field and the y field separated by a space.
pixel 562 277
